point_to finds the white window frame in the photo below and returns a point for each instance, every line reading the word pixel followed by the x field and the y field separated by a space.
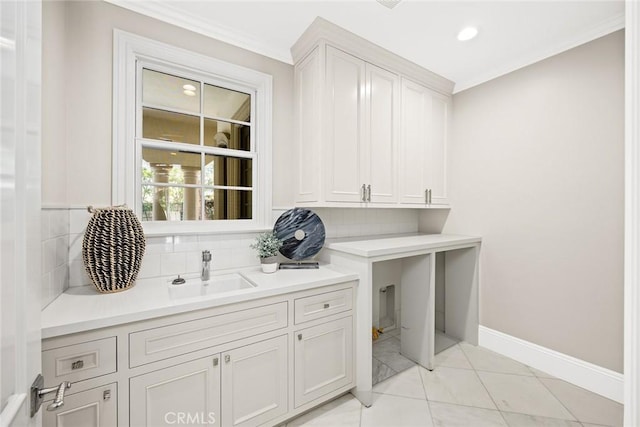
pixel 129 50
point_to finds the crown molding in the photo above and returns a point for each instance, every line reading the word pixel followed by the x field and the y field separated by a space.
pixel 599 30
pixel 164 11
pixel 323 30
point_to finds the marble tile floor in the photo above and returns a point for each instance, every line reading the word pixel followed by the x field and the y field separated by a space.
pixel 471 387
pixel 387 360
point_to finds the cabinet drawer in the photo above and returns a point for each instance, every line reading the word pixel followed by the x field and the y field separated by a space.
pixel 80 361
pixel 169 341
pixel 318 306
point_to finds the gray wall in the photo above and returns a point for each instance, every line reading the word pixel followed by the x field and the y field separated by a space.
pixel 77 68
pixel 536 169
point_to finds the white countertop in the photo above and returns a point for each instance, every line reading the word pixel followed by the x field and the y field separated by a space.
pixel 390 245
pixel 82 308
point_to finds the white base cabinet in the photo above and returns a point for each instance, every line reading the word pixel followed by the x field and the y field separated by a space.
pixel 323 356
pixel 254 383
pixel 96 407
pixel 248 383
pixel 168 396
pixel 235 365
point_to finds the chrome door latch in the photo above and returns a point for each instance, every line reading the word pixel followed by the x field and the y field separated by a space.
pixel 38 392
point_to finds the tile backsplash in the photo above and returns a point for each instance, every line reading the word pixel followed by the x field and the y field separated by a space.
pixel 55 253
pixel 181 254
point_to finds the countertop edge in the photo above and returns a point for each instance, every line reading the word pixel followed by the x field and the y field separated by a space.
pixel 187 305
pixel 348 248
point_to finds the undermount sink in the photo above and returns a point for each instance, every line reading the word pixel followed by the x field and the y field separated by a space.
pixel 194 287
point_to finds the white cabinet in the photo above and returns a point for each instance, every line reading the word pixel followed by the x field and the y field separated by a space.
pixel 381 124
pixel 254 383
pixel 323 359
pixel 347 128
pixel 231 365
pixel 246 386
pixel 423 142
pixel 343 131
pixel 91 408
pixel 192 388
pixel 349 118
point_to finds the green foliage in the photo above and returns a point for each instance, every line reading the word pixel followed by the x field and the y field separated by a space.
pixel 267 244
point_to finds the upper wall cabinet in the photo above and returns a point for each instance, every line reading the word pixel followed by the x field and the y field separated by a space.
pixel 423 146
pixel 370 126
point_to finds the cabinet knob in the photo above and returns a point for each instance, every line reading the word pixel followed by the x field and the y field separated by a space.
pixel 106 395
pixel 215 361
pixel 227 358
pixel 299 337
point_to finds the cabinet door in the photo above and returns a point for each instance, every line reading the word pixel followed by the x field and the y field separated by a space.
pixel 190 391
pixel 415 144
pixel 254 383
pixel 344 134
pixel 323 359
pixel 381 127
pixel 437 179
pixel 307 127
pixel 92 408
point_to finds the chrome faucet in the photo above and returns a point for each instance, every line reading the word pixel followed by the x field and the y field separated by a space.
pixel 206 261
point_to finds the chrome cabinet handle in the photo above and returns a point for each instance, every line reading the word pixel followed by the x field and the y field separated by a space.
pixel 427 196
pixel 106 395
pixel 215 361
pixel 227 358
pixel 363 193
pixel 368 192
pixel 79 364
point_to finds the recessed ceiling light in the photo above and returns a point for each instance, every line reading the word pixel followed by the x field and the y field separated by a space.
pixel 189 93
pixel 467 34
pixel 189 87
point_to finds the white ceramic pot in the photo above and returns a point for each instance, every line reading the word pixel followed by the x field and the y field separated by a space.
pixel 269 264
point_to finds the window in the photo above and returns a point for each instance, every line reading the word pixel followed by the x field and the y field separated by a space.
pixel 192 147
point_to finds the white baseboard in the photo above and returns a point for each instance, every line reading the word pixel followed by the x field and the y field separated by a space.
pixel 597 379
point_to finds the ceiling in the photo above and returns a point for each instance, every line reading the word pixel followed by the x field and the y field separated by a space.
pixel 512 34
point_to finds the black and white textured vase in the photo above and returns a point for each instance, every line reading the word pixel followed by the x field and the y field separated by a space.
pixel 112 248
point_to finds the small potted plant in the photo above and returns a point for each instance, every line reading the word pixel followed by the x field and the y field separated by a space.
pixel 267 245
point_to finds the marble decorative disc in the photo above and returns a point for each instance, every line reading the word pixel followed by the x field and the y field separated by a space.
pixel 302 232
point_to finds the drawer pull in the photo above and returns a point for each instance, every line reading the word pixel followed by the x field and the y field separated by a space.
pixel 79 364
pixel 106 395
pixel 215 361
pixel 326 305
pixel 227 358
pixel 299 337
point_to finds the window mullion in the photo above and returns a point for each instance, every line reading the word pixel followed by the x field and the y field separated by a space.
pixel 202 155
